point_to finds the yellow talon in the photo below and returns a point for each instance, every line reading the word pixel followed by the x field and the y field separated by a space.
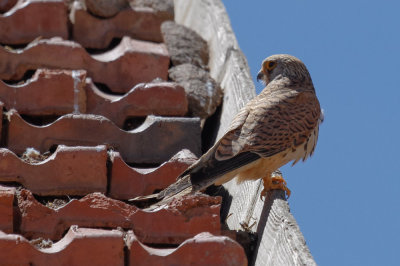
pixel 275 182
pixel 279 183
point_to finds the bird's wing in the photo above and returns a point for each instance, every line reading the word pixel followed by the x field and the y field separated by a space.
pixel 275 122
pixel 267 125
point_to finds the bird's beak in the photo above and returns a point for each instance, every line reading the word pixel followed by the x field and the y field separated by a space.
pixel 260 75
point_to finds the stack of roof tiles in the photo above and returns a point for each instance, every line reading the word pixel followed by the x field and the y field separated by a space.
pixel 101 104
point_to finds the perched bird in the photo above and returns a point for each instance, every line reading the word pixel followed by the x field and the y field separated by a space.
pixel 278 126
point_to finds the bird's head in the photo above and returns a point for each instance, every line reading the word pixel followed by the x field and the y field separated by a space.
pixel 283 65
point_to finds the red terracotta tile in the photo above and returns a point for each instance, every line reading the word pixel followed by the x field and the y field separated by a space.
pixel 129 63
pixel 69 171
pixel 203 249
pixel 155 141
pixel 1 120
pixel 128 182
pixel 197 213
pixel 80 246
pixel 6 208
pixel 138 23
pixel 48 92
pixel 31 19
pixel 173 224
pixel 161 98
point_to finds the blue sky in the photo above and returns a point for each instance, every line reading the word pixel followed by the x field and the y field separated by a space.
pixel 346 197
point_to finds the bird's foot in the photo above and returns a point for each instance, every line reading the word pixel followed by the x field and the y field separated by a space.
pixel 279 183
pixel 275 182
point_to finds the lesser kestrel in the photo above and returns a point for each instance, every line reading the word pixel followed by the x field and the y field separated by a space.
pixel 278 126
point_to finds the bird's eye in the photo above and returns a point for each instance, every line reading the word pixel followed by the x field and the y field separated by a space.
pixel 270 65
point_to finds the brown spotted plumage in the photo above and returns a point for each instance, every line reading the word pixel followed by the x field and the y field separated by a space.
pixel 278 126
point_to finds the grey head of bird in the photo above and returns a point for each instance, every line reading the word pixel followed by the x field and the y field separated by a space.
pixel 283 66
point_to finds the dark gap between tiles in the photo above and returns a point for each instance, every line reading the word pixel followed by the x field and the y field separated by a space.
pixel 114 43
pixel 104 88
pixel 131 123
pixel 41 120
pixel 28 75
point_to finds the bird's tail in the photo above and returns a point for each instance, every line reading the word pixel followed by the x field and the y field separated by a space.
pixel 202 174
pixel 181 187
pixel 184 185
pixel 205 173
